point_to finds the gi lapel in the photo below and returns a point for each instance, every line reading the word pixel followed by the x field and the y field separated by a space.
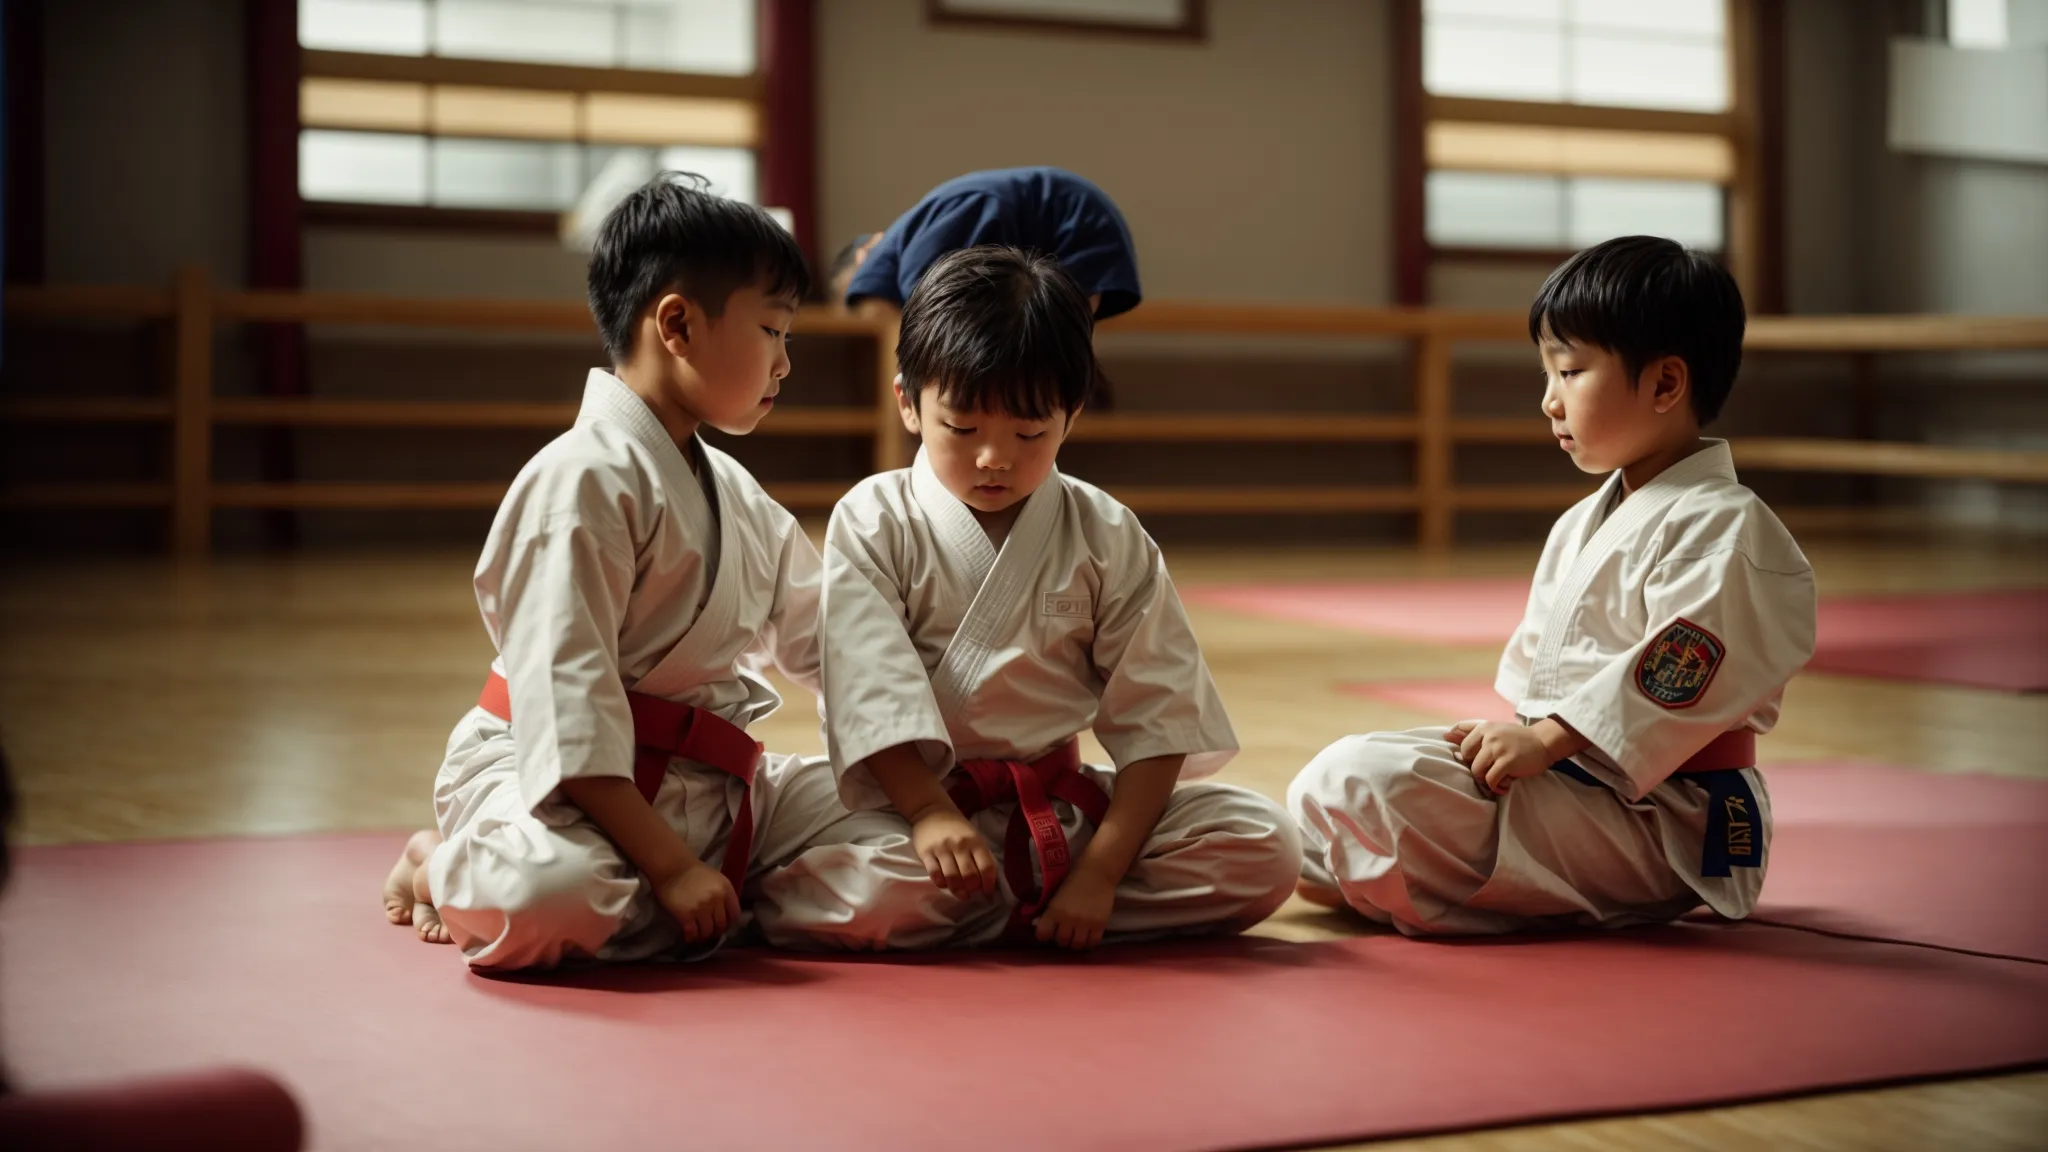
pixel 1621 526
pixel 1003 576
pixel 706 644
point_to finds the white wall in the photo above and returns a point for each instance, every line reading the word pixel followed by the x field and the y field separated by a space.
pixel 1983 237
pixel 1254 166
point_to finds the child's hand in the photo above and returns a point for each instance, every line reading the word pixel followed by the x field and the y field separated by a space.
pixel 702 901
pixel 954 852
pixel 1079 911
pixel 1500 753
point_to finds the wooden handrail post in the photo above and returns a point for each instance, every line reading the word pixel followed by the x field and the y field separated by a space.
pixel 191 412
pixel 891 452
pixel 1433 441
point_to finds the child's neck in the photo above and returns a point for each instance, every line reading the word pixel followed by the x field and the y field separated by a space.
pixel 654 387
pixel 1634 476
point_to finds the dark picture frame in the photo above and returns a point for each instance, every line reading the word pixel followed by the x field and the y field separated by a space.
pixel 1024 16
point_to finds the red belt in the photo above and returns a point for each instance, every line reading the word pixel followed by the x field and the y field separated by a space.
pixel 663 729
pixel 1033 786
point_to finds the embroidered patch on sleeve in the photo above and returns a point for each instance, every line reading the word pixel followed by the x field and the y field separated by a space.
pixel 1679 664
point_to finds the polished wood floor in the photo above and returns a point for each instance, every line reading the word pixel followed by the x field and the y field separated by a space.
pixel 143 699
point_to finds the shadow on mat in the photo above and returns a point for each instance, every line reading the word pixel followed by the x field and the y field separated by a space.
pixel 762 967
pixel 1777 941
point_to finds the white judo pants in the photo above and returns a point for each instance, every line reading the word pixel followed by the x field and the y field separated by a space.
pixel 520 889
pixel 1397 825
pixel 1221 859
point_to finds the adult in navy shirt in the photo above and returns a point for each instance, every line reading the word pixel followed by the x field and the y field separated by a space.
pixel 1048 209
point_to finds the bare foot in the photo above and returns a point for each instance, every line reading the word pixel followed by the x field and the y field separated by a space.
pixel 425 918
pixel 1317 894
pixel 400 886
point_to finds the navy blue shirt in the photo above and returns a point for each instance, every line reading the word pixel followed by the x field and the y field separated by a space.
pixel 1053 211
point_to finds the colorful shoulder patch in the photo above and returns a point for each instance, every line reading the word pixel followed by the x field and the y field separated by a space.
pixel 1679 664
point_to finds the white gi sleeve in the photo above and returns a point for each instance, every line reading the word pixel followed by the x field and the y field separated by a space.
pixel 1158 698
pixel 877 693
pixel 560 604
pixel 1726 632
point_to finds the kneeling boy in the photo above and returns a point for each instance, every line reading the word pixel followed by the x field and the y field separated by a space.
pixel 603 800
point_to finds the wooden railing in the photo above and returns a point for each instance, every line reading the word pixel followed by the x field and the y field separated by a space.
pixel 193 307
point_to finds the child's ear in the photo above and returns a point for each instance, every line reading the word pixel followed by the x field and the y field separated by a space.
pixel 672 317
pixel 906 407
pixel 1670 382
pixel 1072 417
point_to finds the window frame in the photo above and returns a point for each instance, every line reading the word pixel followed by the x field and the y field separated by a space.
pixel 1752 125
pixel 334 64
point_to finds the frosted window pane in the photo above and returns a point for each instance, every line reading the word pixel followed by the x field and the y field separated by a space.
pixel 506 174
pixel 397 27
pixel 1692 19
pixel 1495 210
pixel 362 167
pixel 1649 73
pixel 1977 23
pixel 1686 212
pixel 715 36
pixel 1538 11
pixel 557 33
pixel 730 170
pixel 712 36
pixel 1501 63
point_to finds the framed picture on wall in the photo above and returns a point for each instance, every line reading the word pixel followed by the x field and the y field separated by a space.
pixel 1170 19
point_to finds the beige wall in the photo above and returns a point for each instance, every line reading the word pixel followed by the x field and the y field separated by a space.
pixel 414 263
pixel 1252 166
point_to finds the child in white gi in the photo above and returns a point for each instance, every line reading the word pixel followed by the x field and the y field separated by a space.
pixel 603 799
pixel 980 610
pixel 1667 613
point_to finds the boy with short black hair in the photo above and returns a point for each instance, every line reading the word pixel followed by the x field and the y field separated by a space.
pixel 1668 611
pixel 603 800
pixel 980 610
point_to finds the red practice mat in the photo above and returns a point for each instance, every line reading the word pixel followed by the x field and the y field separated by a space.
pixel 128 960
pixel 1958 861
pixel 1996 640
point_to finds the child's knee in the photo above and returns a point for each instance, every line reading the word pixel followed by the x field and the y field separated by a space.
pixel 511 910
pixel 1265 837
pixel 1353 772
pixel 863 893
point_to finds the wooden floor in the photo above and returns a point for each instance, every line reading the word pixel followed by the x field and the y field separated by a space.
pixel 269 696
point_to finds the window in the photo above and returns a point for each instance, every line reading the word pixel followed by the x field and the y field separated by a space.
pixel 1549 125
pixel 518 106
pixel 1977 23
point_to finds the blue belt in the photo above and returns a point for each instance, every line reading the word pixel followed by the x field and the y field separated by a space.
pixel 1734 822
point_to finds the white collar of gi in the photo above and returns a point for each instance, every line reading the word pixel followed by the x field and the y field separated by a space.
pixel 606 397
pixel 1713 462
pixel 962 532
